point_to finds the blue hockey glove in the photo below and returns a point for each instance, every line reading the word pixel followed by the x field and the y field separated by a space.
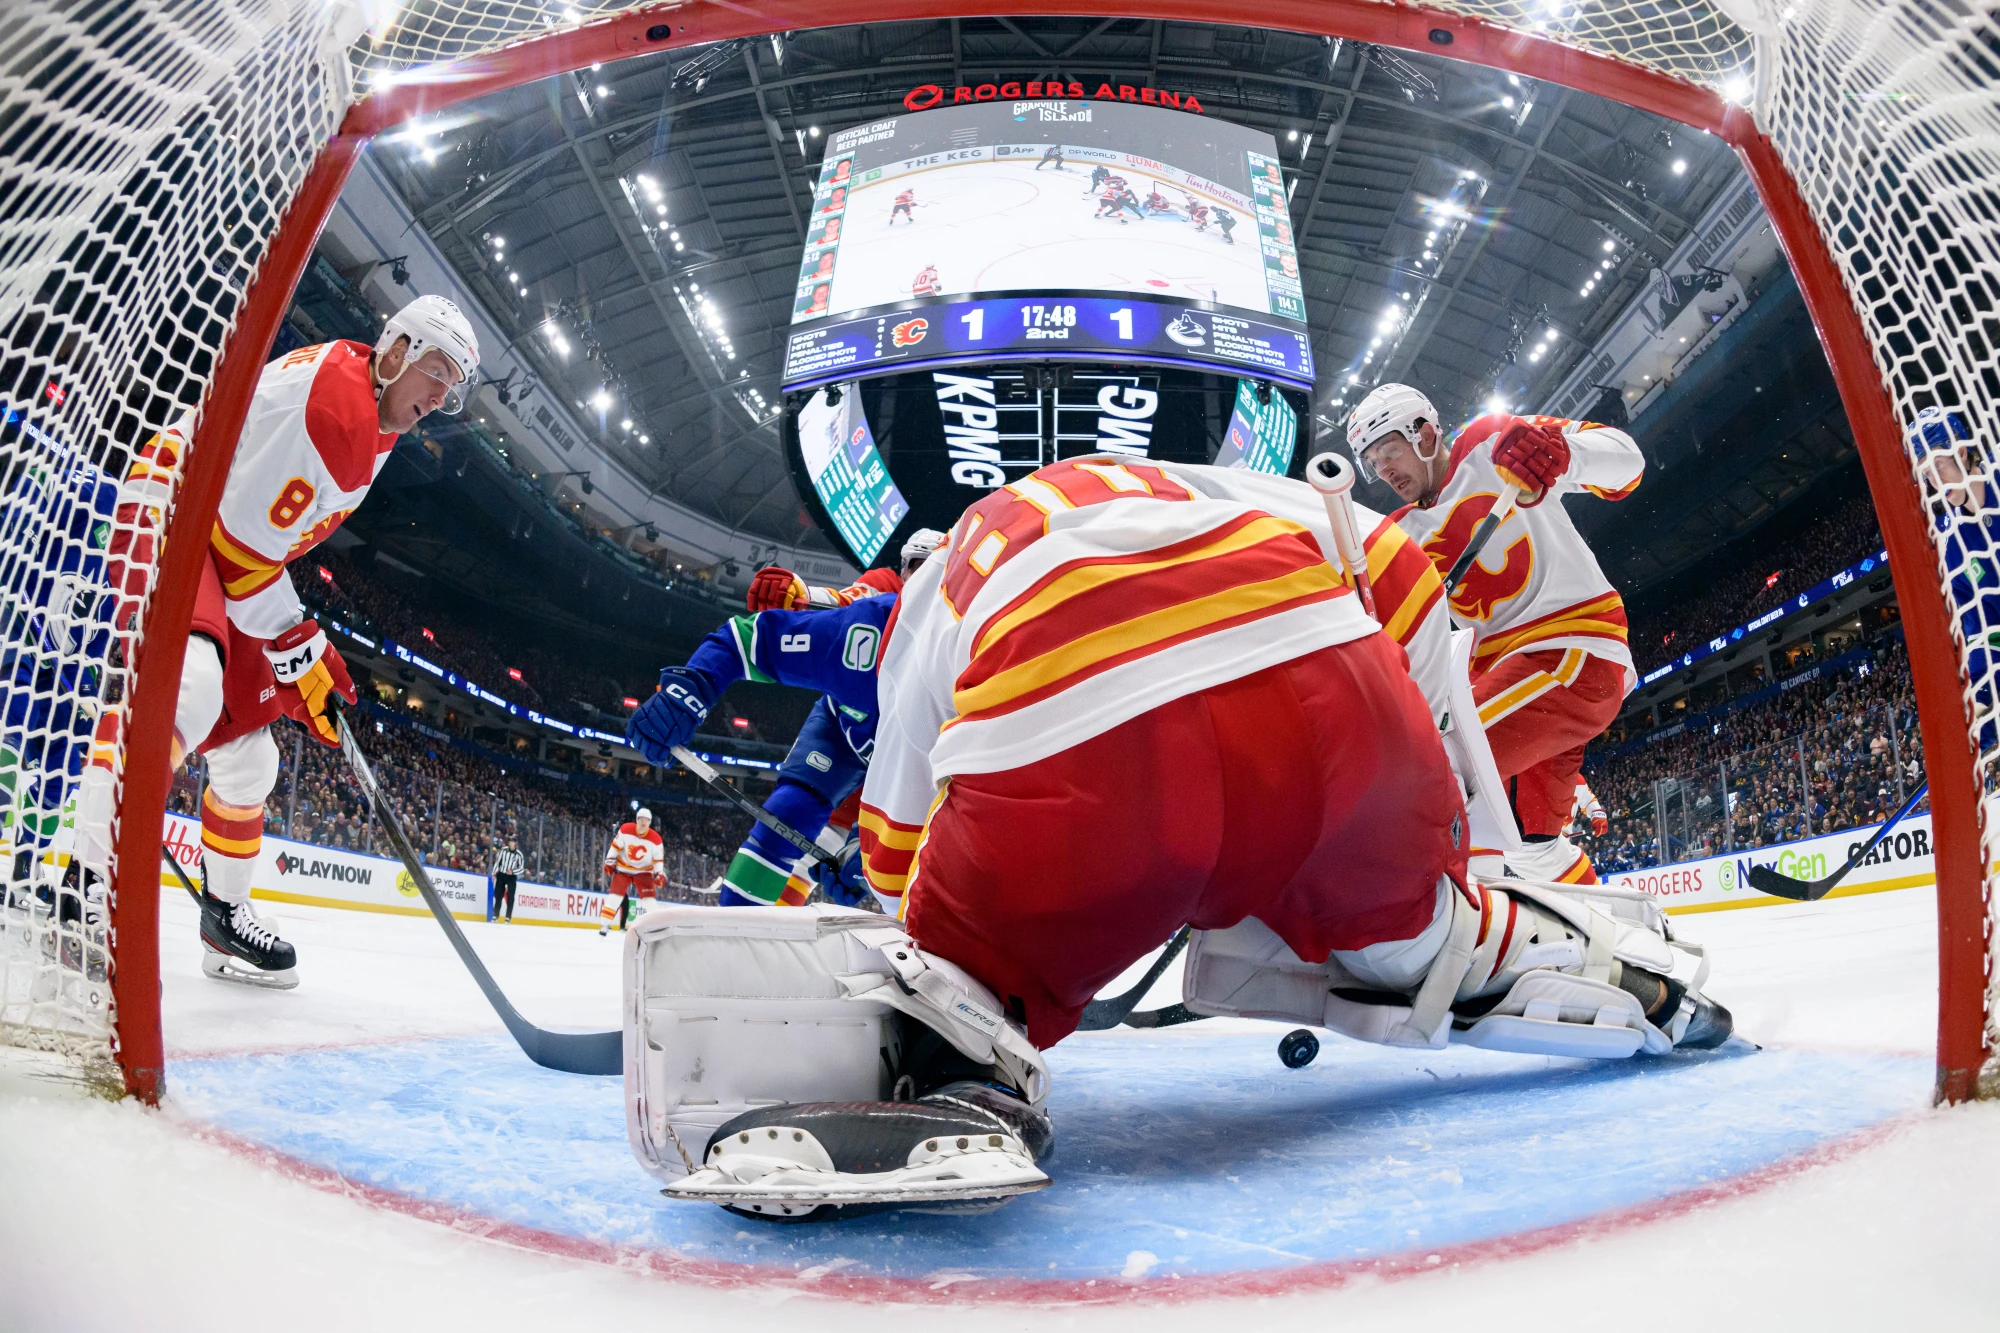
pixel 670 717
pixel 847 886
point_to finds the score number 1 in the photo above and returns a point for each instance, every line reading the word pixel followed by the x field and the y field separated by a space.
pixel 1123 319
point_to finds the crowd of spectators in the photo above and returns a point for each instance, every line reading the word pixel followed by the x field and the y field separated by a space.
pixel 1761 572
pixel 1837 752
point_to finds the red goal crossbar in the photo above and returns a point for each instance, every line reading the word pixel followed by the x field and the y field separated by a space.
pixel 1927 620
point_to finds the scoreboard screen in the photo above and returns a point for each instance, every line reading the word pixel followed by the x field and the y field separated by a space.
pixel 1049 230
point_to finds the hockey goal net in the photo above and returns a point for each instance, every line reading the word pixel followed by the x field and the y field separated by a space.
pixel 167 164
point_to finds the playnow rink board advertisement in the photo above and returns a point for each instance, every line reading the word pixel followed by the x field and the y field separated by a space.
pixel 1042 230
pixel 298 872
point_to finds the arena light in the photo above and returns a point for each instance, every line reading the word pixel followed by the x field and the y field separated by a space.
pixel 601 400
pixel 514 673
pixel 1680 166
pixel 1610 246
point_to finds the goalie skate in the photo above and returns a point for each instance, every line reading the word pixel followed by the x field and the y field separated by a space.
pixel 968 1147
pixel 236 946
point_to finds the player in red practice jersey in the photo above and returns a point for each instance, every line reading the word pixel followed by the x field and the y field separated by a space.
pixel 321 425
pixel 905 201
pixel 635 864
pixel 1550 666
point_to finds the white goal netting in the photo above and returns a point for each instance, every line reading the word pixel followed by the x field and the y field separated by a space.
pixel 152 148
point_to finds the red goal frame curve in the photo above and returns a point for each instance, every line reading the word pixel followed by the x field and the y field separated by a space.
pixel 1955 796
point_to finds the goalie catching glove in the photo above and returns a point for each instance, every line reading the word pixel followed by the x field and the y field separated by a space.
pixel 311 670
pixel 1531 457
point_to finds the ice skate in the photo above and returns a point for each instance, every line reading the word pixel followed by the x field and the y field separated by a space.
pixel 236 946
pixel 969 1146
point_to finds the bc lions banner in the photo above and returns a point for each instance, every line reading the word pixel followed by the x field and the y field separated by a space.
pixel 1902 861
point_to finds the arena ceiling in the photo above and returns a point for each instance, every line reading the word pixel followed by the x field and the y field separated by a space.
pixel 640 224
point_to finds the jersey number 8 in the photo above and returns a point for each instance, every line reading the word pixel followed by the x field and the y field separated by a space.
pixel 291 503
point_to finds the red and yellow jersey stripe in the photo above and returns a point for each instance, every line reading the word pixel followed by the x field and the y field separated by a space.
pixel 1406 583
pixel 888 852
pixel 244 573
pixel 1089 615
pixel 1599 618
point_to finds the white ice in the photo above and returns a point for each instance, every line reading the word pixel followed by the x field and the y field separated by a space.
pixel 113 1217
pixel 1003 226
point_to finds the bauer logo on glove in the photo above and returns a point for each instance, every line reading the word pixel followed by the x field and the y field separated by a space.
pixel 310 671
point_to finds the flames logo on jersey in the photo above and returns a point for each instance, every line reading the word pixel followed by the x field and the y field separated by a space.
pixel 1485 587
pixel 910 332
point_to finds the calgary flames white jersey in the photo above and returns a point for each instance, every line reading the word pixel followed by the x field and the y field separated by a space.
pixel 1536 584
pixel 635 853
pixel 1097 589
pixel 311 447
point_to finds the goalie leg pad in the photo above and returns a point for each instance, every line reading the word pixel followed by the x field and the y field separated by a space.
pixel 727 1012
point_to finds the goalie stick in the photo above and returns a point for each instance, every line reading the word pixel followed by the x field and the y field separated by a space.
pixel 569 1052
pixel 1767 880
pixel 1099 1015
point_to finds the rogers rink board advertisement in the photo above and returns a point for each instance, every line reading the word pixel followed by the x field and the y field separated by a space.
pixel 1049 230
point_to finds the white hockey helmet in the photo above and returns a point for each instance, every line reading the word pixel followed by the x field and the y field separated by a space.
pixel 1388 408
pixel 433 321
pixel 919 547
pixel 644 816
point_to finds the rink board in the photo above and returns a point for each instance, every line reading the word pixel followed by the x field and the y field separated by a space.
pixel 1187 1156
pixel 300 872
pixel 1903 860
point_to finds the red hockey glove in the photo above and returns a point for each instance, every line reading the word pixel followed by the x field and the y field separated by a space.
pixel 1600 825
pixel 310 670
pixel 775 588
pixel 1530 456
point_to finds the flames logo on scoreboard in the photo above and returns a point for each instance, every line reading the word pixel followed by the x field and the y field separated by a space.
pixel 910 332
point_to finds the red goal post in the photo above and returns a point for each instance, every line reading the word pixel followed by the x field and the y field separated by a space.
pixel 195 150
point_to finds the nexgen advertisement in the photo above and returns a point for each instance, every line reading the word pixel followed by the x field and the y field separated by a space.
pixel 298 872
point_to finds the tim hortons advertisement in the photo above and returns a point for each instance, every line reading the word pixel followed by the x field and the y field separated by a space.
pixel 1902 861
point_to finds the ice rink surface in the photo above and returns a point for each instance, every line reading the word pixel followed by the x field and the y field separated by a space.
pixel 370 1151
pixel 1037 230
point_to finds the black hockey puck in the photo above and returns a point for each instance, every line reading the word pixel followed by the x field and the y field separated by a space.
pixel 1298 1049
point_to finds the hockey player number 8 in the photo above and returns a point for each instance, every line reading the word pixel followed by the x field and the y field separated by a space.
pixel 291 502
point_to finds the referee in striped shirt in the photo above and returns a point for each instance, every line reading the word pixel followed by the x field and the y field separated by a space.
pixel 507 863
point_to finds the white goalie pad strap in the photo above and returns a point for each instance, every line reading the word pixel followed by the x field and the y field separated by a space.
pixel 1246 971
pixel 728 1009
pixel 1642 946
pixel 1489 814
pixel 947 999
pixel 1553 1013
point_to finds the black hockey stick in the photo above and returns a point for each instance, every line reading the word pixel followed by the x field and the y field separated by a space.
pixel 693 764
pixel 1172 1015
pixel 1099 1015
pixel 1767 880
pixel 570 1052
pixel 1502 508
pixel 180 874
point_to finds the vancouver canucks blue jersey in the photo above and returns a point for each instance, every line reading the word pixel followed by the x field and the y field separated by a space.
pixel 833 650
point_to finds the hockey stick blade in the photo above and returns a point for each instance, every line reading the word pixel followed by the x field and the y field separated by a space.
pixel 1100 1015
pixel 1172 1015
pixel 1766 880
pixel 568 1052
pixel 693 764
